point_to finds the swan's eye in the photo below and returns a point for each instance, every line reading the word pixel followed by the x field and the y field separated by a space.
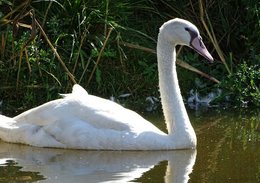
pixel 187 29
pixel 192 32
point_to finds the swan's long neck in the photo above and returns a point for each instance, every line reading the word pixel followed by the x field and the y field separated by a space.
pixel 176 116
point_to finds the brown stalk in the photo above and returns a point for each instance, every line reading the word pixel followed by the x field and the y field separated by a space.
pixel 191 68
pixel 56 53
pixel 100 54
pixel 3 43
pixel 211 34
pixel 33 35
pixel 178 61
pixel 19 69
pixel 85 69
pixel 5 19
pixel 27 60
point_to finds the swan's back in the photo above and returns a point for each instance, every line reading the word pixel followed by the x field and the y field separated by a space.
pixel 78 120
pixel 79 105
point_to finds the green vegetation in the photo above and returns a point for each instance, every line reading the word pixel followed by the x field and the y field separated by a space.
pixel 108 48
pixel 243 85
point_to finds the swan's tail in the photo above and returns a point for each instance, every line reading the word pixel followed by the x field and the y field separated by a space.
pixel 6 122
pixel 6 126
pixel 77 91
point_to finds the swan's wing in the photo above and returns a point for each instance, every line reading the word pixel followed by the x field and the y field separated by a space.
pixel 54 110
pixel 95 111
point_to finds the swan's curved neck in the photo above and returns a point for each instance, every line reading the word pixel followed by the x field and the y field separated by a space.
pixel 175 114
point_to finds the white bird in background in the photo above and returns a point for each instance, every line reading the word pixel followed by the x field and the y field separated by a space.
pixel 84 121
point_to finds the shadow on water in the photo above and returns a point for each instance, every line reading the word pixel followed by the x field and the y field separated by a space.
pixel 228 151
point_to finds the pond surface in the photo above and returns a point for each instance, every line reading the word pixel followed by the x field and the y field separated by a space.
pixel 228 151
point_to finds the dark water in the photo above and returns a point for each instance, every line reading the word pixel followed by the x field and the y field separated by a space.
pixel 228 151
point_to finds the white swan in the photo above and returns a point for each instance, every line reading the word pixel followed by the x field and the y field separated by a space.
pixel 84 121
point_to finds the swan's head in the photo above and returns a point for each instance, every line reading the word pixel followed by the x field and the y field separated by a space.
pixel 182 32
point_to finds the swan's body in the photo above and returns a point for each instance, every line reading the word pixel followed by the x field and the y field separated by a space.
pixel 84 121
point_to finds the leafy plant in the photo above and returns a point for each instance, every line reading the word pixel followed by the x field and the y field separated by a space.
pixel 243 86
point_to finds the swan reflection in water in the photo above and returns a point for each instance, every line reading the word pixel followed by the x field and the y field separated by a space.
pixel 58 165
